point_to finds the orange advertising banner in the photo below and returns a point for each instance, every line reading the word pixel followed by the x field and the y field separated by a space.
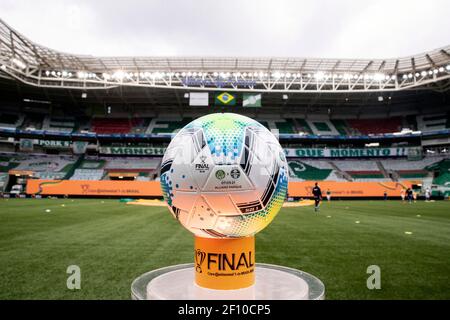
pixel 153 189
pixel 94 188
pixel 349 189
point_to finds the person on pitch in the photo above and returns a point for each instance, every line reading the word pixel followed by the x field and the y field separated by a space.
pixel 317 193
pixel 427 194
pixel 409 195
pixel 328 195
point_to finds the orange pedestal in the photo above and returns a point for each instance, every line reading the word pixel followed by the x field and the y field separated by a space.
pixel 225 264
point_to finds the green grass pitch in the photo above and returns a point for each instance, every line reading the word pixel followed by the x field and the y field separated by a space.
pixel 113 243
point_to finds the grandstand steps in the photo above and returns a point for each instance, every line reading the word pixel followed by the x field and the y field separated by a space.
pixel 341 174
pixel 394 175
pixel 382 170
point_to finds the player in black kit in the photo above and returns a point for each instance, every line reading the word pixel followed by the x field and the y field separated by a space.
pixel 317 193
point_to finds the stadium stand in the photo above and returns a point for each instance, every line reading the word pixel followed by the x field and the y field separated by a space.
pixel 133 164
pixel 88 174
pixel 62 124
pixel 376 126
pixel 158 126
pixel 433 122
pixel 410 169
pixel 11 121
pixel 100 125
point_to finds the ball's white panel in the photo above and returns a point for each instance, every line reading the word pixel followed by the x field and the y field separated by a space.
pixel 227 178
pixel 184 147
pixel 260 165
pixel 181 177
pixel 183 217
pixel 202 216
pixel 222 204
pixel 171 152
pixel 247 201
pixel 184 200
pixel 202 166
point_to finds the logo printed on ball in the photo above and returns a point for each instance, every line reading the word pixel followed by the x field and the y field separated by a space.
pixel 203 166
pixel 220 174
pixel 235 174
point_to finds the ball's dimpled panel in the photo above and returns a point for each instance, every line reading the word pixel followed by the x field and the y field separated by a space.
pixel 223 134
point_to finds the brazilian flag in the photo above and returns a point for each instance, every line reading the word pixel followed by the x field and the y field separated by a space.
pixel 225 99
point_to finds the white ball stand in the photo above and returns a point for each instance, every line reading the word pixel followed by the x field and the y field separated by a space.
pixel 272 282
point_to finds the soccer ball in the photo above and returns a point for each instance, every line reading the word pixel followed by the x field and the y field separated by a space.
pixel 224 176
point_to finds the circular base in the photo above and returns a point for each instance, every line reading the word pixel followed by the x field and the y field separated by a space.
pixel 272 283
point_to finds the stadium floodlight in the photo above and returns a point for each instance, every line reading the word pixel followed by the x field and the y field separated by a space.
pixel 430 72
pixel 53 73
pixel 19 63
pixel 216 74
pixel 379 76
pixel 441 69
pixel 448 67
pixel 417 74
pixel 405 76
pixel 276 75
pixel 194 74
pixel 119 75
pixel 58 73
pixel 319 75
pixel 106 76
pixel 285 97
pixel 47 73
pixel 423 73
pixel 435 71
pixel 183 74
pixel 177 74
pixel 186 95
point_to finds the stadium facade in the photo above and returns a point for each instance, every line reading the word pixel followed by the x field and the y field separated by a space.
pixel 360 126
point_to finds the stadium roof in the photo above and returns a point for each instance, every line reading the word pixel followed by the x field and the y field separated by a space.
pixel 33 64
